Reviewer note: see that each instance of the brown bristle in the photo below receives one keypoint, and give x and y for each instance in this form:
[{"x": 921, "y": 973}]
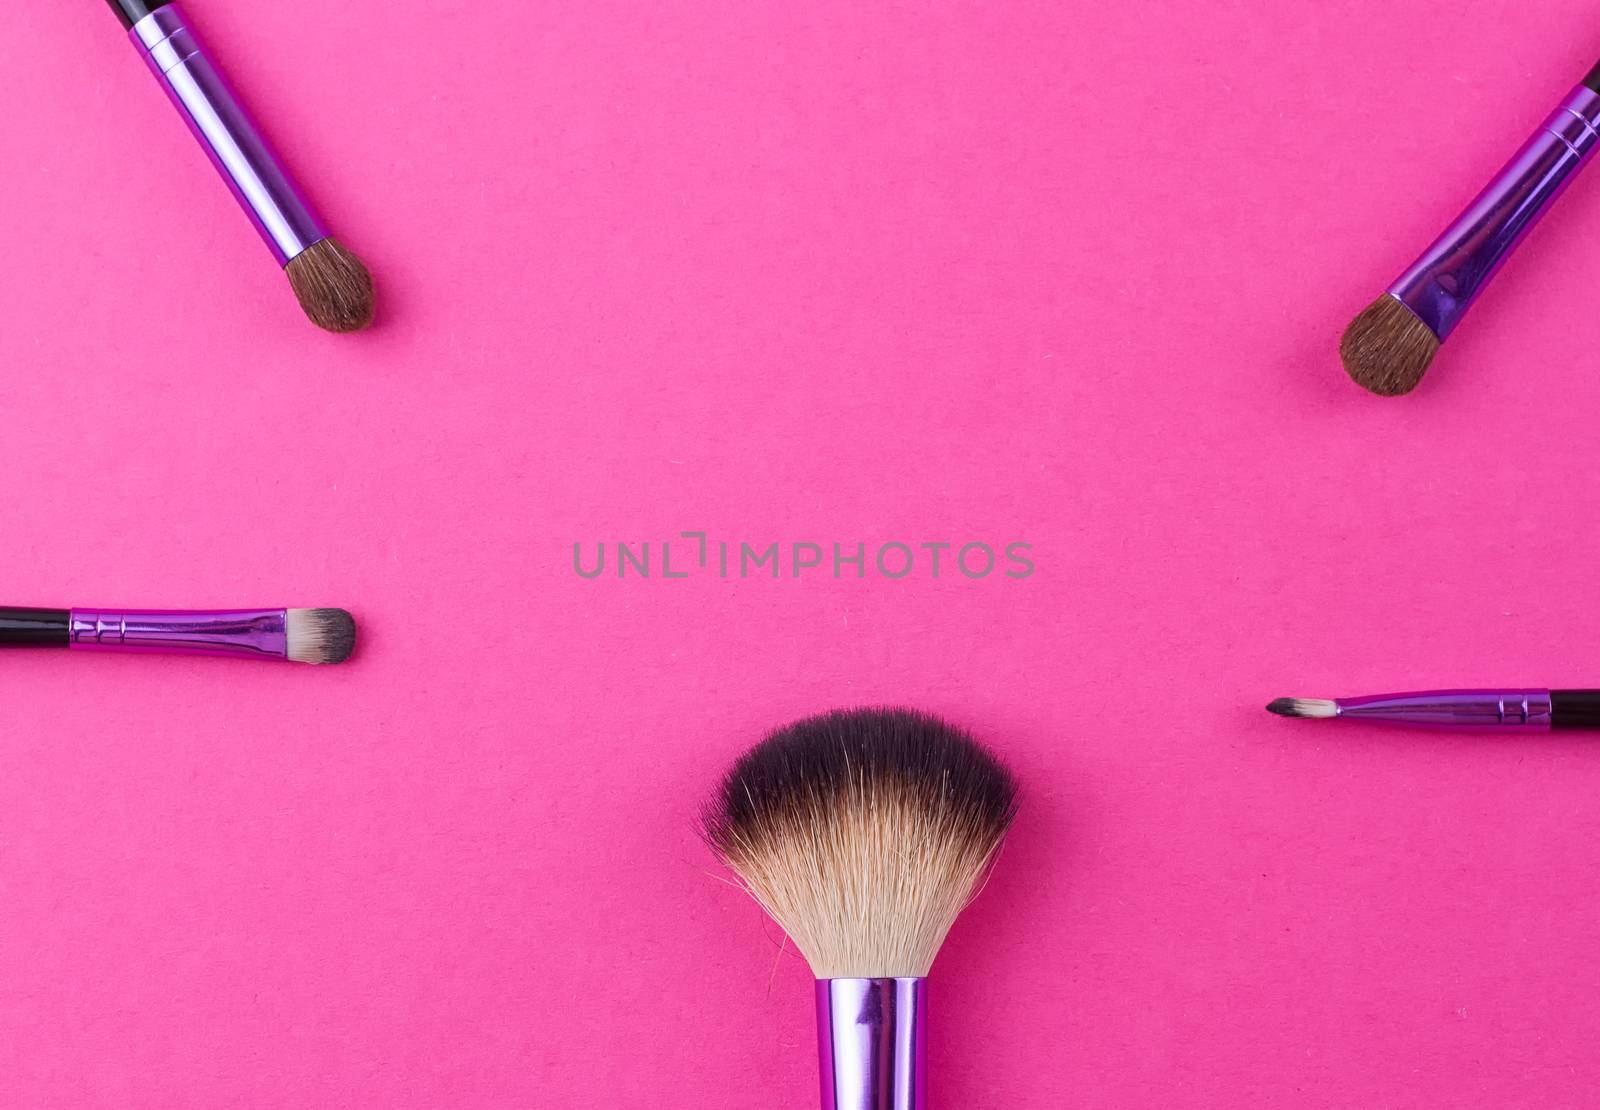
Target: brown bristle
[
  {"x": 333, "y": 286},
  {"x": 1387, "y": 349},
  {"x": 864, "y": 833}
]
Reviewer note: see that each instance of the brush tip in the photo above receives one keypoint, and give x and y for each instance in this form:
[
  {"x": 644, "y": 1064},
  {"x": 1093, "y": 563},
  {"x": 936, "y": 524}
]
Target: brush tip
[
  {"x": 830, "y": 756},
  {"x": 333, "y": 286},
  {"x": 864, "y": 833},
  {"x": 1303, "y": 707},
  {"x": 1387, "y": 349},
  {"x": 321, "y": 635}
]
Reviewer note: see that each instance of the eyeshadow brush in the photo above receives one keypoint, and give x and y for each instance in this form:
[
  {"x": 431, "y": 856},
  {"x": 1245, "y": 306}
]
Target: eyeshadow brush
[
  {"x": 332, "y": 285},
  {"x": 298, "y": 635},
  {"x": 1389, "y": 346}
]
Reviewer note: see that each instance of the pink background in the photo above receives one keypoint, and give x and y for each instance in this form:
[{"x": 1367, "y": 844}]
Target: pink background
[{"x": 1070, "y": 274}]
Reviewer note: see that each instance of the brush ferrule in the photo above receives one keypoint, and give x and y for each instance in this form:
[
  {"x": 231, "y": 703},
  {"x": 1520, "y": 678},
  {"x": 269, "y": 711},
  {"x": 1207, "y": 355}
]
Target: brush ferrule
[
  {"x": 1444, "y": 282},
  {"x": 229, "y": 135},
  {"x": 1470, "y": 709},
  {"x": 259, "y": 633},
  {"x": 872, "y": 1040}
]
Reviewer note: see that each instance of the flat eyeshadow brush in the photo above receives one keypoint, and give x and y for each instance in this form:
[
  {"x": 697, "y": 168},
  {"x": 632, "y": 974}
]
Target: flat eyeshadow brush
[
  {"x": 1536, "y": 710},
  {"x": 332, "y": 284},
  {"x": 1388, "y": 347},
  {"x": 298, "y": 635}
]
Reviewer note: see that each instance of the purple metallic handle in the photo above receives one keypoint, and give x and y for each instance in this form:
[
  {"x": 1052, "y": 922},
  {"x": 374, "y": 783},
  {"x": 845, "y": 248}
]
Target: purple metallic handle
[
  {"x": 872, "y": 1039},
  {"x": 1443, "y": 283},
  {"x": 260, "y": 633},
  {"x": 1475, "y": 709},
  {"x": 219, "y": 121}
]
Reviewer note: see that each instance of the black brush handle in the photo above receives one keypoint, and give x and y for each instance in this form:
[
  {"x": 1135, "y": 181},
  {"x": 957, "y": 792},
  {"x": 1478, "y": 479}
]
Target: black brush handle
[
  {"x": 1575, "y": 708},
  {"x": 132, "y": 11},
  {"x": 39, "y": 627},
  {"x": 1592, "y": 82}
]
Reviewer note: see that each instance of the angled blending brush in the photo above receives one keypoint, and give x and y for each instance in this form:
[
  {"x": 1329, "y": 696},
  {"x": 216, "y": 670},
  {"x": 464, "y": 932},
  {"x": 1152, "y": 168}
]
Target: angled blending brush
[
  {"x": 332, "y": 285},
  {"x": 1388, "y": 347},
  {"x": 298, "y": 635},
  {"x": 865, "y": 833},
  {"x": 1527, "y": 710}
]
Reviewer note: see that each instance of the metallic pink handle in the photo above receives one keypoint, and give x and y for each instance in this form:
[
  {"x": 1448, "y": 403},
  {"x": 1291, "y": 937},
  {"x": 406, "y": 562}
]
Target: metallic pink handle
[
  {"x": 872, "y": 1040},
  {"x": 236, "y": 146},
  {"x": 259, "y": 633},
  {"x": 1482, "y": 709},
  {"x": 1444, "y": 282}
]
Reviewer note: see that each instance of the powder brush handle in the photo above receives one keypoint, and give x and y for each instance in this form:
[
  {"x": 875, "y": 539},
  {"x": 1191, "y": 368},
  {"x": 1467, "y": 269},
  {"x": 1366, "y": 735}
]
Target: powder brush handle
[
  {"x": 1442, "y": 284},
  {"x": 872, "y": 1043}
]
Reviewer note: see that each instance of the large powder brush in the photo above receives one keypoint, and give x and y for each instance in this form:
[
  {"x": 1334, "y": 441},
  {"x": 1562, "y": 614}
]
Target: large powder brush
[{"x": 865, "y": 833}]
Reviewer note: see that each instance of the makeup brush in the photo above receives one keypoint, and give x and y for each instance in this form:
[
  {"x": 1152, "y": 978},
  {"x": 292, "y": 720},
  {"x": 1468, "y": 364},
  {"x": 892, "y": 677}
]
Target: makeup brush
[
  {"x": 864, "y": 833},
  {"x": 1538, "y": 710},
  {"x": 298, "y": 635},
  {"x": 1388, "y": 347},
  {"x": 332, "y": 285}
]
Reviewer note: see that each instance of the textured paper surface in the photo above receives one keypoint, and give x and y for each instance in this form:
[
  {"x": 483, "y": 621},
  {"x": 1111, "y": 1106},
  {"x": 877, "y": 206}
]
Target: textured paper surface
[{"x": 1066, "y": 274}]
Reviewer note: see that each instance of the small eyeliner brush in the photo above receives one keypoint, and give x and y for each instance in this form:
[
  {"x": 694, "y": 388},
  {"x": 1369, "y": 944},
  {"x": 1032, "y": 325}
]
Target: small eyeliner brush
[{"x": 1473, "y": 710}]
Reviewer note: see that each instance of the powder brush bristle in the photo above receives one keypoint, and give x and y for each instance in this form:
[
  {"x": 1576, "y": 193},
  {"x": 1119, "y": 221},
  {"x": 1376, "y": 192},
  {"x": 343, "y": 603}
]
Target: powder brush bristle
[
  {"x": 864, "y": 833},
  {"x": 1387, "y": 349},
  {"x": 333, "y": 286},
  {"x": 321, "y": 635}
]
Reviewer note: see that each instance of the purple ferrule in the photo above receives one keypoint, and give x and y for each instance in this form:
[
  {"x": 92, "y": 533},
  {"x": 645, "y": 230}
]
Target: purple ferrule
[
  {"x": 260, "y": 633},
  {"x": 872, "y": 1040},
  {"x": 219, "y": 121},
  {"x": 1443, "y": 283},
  {"x": 1475, "y": 709}
]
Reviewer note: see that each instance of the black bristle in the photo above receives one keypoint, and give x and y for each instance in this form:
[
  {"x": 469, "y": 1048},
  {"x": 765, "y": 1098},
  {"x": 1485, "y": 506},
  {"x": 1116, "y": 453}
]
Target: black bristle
[
  {"x": 812, "y": 760},
  {"x": 1283, "y": 707},
  {"x": 337, "y": 630}
]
